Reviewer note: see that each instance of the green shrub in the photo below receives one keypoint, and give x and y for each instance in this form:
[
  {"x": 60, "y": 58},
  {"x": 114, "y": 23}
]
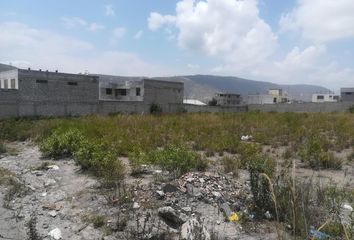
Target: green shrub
[
  {"x": 137, "y": 158},
  {"x": 231, "y": 164},
  {"x": 316, "y": 155},
  {"x": 88, "y": 153},
  {"x": 178, "y": 159},
  {"x": 351, "y": 109},
  {"x": 62, "y": 144},
  {"x": 98, "y": 221},
  {"x": 247, "y": 153},
  {"x": 258, "y": 165},
  {"x": 2, "y": 148},
  {"x": 174, "y": 158},
  {"x": 155, "y": 108}
]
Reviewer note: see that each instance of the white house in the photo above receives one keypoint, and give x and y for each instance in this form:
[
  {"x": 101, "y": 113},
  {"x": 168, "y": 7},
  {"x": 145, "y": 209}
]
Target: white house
[{"x": 326, "y": 97}]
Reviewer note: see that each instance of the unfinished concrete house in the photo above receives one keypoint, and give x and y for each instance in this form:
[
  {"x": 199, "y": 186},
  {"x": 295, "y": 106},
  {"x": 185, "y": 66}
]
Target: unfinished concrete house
[
  {"x": 141, "y": 93},
  {"x": 26, "y": 92},
  {"x": 42, "y": 93},
  {"x": 347, "y": 94},
  {"x": 228, "y": 99}
]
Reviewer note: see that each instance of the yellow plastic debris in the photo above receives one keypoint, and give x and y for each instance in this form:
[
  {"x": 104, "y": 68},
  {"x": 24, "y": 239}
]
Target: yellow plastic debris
[{"x": 233, "y": 217}]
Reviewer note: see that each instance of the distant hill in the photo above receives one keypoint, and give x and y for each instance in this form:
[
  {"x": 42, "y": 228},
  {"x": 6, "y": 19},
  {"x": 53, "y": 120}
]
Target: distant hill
[{"x": 203, "y": 87}]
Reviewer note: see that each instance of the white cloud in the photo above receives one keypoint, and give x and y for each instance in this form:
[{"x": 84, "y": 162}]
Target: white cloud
[
  {"x": 72, "y": 22},
  {"x": 228, "y": 29},
  {"x": 193, "y": 66},
  {"x": 321, "y": 20},
  {"x": 25, "y": 46},
  {"x": 232, "y": 32},
  {"x": 94, "y": 27},
  {"x": 311, "y": 65},
  {"x": 109, "y": 11},
  {"x": 76, "y": 22},
  {"x": 119, "y": 32},
  {"x": 138, "y": 34},
  {"x": 156, "y": 20}
]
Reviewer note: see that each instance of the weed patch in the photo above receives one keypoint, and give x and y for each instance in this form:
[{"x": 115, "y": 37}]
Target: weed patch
[
  {"x": 2, "y": 148},
  {"x": 315, "y": 153},
  {"x": 177, "y": 159}
]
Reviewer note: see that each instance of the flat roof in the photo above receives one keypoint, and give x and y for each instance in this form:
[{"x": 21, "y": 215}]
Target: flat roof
[
  {"x": 56, "y": 72},
  {"x": 347, "y": 89}
]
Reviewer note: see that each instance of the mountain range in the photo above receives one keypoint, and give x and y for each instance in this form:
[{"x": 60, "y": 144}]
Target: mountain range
[{"x": 204, "y": 87}]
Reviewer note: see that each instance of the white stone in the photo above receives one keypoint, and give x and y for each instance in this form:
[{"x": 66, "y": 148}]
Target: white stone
[
  {"x": 136, "y": 205},
  {"x": 50, "y": 182},
  {"x": 348, "y": 207},
  {"x": 216, "y": 194},
  {"x": 53, "y": 167},
  {"x": 55, "y": 234},
  {"x": 188, "y": 230},
  {"x": 53, "y": 213}
]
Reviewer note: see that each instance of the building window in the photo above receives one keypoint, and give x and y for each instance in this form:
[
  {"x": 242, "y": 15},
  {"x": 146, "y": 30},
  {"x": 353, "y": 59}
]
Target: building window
[
  {"x": 274, "y": 100},
  {"x": 41, "y": 81},
  {"x": 336, "y": 97},
  {"x": 320, "y": 97},
  {"x": 108, "y": 91},
  {"x": 121, "y": 92},
  {"x": 138, "y": 91},
  {"x": 72, "y": 83}
]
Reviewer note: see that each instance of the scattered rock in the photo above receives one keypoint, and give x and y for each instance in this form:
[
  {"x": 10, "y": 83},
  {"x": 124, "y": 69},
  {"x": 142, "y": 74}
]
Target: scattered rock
[
  {"x": 136, "y": 205},
  {"x": 268, "y": 215},
  {"x": 348, "y": 207},
  {"x": 53, "y": 213},
  {"x": 161, "y": 194},
  {"x": 246, "y": 138},
  {"x": 53, "y": 167},
  {"x": 55, "y": 234},
  {"x": 193, "y": 229},
  {"x": 49, "y": 182},
  {"x": 168, "y": 188},
  {"x": 171, "y": 216},
  {"x": 216, "y": 194},
  {"x": 187, "y": 209}
]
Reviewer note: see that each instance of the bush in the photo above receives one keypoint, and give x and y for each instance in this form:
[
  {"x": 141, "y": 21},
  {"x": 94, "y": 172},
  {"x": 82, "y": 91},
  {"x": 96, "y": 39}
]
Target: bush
[
  {"x": 247, "y": 153},
  {"x": 351, "y": 109},
  {"x": 177, "y": 159},
  {"x": 213, "y": 102},
  {"x": 62, "y": 144},
  {"x": 174, "y": 158},
  {"x": 155, "y": 108},
  {"x": 89, "y": 154},
  {"x": 261, "y": 164},
  {"x": 231, "y": 164},
  {"x": 316, "y": 155},
  {"x": 2, "y": 148},
  {"x": 98, "y": 221}
]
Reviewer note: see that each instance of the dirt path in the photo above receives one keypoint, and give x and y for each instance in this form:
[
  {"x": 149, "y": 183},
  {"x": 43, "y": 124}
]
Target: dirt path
[{"x": 55, "y": 197}]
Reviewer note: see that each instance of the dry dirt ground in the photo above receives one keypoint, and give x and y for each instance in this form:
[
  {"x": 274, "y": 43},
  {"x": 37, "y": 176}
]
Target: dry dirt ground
[{"x": 67, "y": 199}]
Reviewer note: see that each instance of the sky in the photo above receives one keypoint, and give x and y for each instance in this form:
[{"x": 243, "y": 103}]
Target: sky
[{"x": 287, "y": 42}]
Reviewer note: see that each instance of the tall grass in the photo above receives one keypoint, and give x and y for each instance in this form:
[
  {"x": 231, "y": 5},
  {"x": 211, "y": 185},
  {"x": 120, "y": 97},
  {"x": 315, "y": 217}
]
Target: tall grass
[{"x": 215, "y": 132}]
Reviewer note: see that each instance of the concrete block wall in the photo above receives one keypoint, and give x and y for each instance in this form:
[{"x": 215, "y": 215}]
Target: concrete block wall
[
  {"x": 213, "y": 109},
  {"x": 302, "y": 107},
  {"x": 51, "y": 87},
  {"x": 163, "y": 93}
]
